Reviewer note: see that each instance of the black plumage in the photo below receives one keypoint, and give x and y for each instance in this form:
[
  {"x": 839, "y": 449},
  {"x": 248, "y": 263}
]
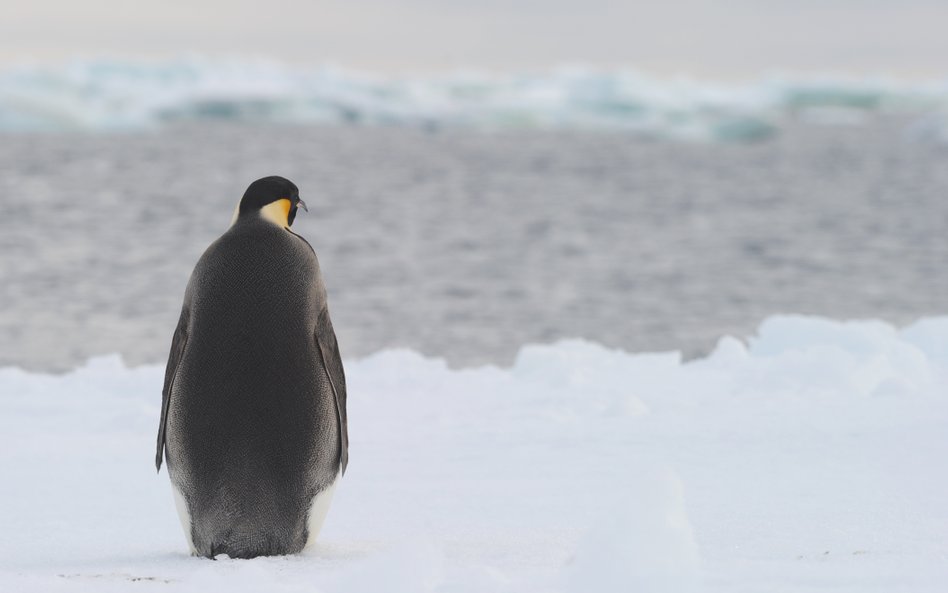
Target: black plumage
[{"x": 253, "y": 422}]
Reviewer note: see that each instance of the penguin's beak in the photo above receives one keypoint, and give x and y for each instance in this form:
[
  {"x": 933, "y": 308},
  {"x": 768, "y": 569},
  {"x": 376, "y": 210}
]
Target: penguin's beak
[{"x": 302, "y": 205}]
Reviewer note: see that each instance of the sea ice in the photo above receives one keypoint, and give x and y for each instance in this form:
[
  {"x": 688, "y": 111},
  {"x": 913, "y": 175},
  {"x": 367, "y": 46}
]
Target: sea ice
[
  {"x": 106, "y": 94},
  {"x": 810, "y": 457}
]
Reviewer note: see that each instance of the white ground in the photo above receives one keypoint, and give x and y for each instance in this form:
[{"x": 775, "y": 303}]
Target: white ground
[{"x": 812, "y": 459}]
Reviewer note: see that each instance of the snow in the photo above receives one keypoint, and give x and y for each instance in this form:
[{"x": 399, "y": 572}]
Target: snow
[
  {"x": 810, "y": 457},
  {"x": 109, "y": 94}
]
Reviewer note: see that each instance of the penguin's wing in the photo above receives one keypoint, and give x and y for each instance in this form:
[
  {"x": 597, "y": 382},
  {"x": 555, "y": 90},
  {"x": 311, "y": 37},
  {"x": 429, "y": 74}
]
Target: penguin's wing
[
  {"x": 332, "y": 362},
  {"x": 174, "y": 358}
]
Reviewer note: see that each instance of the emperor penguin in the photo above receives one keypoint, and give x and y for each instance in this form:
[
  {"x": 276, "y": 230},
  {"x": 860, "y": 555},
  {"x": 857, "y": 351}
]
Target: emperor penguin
[{"x": 253, "y": 408}]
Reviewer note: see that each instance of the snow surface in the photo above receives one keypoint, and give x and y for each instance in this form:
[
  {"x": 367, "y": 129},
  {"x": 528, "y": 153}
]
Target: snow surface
[
  {"x": 810, "y": 458},
  {"x": 105, "y": 94}
]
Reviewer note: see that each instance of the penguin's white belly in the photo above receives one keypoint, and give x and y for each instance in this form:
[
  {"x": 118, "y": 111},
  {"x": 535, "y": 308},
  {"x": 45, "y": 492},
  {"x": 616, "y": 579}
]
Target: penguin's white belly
[
  {"x": 317, "y": 512},
  {"x": 184, "y": 516}
]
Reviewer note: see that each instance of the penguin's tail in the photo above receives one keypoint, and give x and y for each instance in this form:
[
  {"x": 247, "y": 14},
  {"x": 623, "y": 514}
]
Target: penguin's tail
[
  {"x": 249, "y": 537},
  {"x": 249, "y": 545}
]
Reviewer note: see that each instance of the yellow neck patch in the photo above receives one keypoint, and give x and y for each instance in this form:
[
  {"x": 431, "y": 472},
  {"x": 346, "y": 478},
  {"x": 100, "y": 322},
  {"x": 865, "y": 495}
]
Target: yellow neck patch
[{"x": 277, "y": 212}]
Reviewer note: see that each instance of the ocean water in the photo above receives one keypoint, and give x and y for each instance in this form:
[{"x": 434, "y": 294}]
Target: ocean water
[{"x": 467, "y": 244}]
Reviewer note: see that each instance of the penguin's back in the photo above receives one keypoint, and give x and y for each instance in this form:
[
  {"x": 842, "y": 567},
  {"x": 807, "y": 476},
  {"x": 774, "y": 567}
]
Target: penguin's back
[{"x": 252, "y": 435}]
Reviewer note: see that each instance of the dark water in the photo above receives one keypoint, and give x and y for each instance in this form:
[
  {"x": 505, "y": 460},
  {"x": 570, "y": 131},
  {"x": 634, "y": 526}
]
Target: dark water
[{"x": 466, "y": 245}]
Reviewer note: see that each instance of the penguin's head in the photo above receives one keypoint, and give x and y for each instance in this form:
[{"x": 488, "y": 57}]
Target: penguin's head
[{"x": 274, "y": 198}]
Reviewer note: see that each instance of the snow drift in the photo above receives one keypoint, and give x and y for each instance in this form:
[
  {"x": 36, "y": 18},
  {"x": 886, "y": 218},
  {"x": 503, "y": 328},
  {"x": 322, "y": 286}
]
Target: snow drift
[{"x": 810, "y": 457}]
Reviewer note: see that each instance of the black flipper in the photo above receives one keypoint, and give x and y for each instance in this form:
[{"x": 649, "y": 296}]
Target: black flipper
[
  {"x": 178, "y": 342},
  {"x": 332, "y": 362}
]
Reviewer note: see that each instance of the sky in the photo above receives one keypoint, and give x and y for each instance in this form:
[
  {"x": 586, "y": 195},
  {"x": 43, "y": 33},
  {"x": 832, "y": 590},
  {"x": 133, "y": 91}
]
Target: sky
[{"x": 724, "y": 39}]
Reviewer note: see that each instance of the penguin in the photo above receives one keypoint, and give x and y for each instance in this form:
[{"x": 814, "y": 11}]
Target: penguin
[{"x": 253, "y": 409}]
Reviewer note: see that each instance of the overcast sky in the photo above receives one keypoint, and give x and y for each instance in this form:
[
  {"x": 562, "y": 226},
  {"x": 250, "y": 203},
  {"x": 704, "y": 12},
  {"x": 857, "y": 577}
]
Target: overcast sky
[{"x": 701, "y": 38}]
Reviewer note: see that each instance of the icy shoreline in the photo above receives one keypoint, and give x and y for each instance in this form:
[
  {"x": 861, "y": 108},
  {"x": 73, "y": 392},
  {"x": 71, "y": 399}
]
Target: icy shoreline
[{"x": 809, "y": 458}]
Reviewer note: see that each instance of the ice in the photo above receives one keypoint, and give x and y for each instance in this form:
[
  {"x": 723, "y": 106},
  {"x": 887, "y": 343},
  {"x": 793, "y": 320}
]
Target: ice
[
  {"x": 104, "y": 94},
  {"x": 806, "y": 457}
]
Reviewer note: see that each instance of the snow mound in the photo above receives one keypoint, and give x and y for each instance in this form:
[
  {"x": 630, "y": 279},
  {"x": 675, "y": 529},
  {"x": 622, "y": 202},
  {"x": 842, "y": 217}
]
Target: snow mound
[
  {"x": 809, "y": 457},
  {"x": 105, "y": 94}
]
